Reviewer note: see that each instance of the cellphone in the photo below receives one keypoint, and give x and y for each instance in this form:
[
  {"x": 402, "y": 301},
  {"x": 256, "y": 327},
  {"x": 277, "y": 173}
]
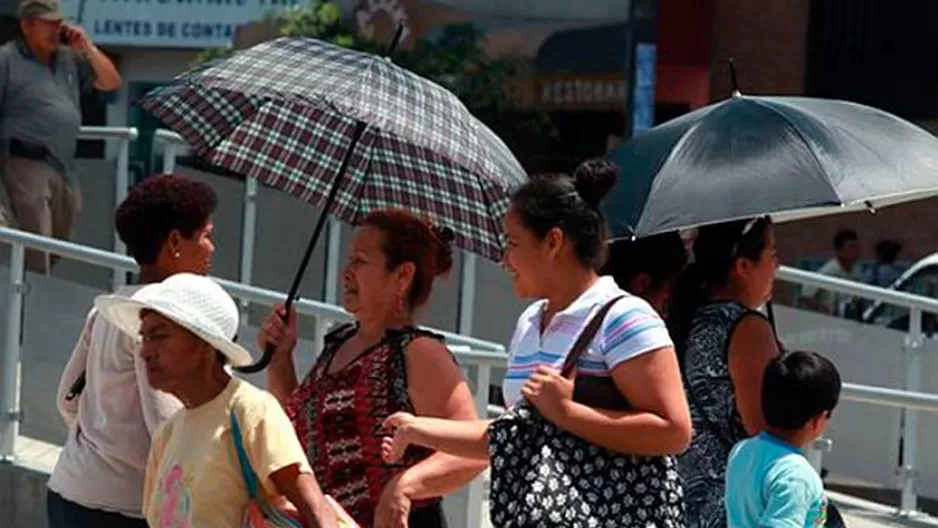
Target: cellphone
[{"x": 64, "y": 35}]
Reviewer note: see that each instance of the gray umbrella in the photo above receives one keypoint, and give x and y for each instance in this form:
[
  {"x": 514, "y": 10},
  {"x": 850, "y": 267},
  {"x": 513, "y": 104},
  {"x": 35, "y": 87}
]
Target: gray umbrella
[{"x": 788, "y": 157}]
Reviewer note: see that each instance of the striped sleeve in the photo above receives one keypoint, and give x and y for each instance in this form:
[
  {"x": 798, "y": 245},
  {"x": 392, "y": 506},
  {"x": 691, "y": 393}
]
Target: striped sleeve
[{"x": 631, "y": 329}]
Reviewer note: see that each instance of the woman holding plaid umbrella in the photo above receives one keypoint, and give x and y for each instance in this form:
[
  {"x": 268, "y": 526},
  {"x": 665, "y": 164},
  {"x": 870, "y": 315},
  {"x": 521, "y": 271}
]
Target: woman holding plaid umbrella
[{"x": 372, "y": 368}]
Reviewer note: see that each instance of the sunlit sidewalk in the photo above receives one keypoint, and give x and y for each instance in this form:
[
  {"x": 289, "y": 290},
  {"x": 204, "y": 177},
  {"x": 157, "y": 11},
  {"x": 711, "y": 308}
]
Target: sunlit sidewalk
[{"x": 859, "y": 513}]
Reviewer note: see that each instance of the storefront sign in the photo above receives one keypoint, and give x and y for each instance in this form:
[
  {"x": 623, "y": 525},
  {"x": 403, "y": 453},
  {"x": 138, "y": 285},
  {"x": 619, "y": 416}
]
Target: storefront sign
[
  {"x": 168, "y": 23},
  {"x": 582, "y": 93}
]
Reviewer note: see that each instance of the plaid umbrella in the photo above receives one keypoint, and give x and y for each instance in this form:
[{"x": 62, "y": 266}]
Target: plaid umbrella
[
  {"x": 286, "y": 112},
  {"x": 348, "y": 132}
]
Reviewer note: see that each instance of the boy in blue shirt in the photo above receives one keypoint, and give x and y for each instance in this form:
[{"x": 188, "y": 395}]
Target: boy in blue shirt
[{"x": 769, "y": 482}]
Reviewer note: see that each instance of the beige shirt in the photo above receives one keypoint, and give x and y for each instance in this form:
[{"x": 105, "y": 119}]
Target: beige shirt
[
  {"x": 193, "y": 476},
  {"x": 110, "y": 425}
]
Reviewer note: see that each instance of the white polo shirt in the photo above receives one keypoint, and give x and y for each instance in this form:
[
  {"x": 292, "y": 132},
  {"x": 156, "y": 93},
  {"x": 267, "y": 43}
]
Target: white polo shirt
[{"x": 630, "y": 329}]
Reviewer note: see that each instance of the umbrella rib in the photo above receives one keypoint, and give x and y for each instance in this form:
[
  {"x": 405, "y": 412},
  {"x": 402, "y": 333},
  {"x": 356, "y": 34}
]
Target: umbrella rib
[{"x": 806, "y": 143}]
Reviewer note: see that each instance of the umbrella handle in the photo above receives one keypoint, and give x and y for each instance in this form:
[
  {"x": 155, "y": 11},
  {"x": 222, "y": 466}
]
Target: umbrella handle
[
  {"x": 396, "y": 41},
  {"x": 733, "y": 79},
  {"x": 307, "y": 255}
]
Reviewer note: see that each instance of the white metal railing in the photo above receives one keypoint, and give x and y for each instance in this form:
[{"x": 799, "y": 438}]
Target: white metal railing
[
  {"x": 912, "y": 367},
  {"x": 123, "y": 136},
  {"x": 483, "y": 355}
]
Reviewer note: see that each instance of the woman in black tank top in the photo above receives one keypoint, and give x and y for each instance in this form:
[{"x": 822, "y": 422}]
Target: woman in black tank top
[{"x": 723, "y": 344}]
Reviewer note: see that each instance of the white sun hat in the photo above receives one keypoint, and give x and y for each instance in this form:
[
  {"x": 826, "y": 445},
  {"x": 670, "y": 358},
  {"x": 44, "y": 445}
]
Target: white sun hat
[{"x": 196, "y": 303}]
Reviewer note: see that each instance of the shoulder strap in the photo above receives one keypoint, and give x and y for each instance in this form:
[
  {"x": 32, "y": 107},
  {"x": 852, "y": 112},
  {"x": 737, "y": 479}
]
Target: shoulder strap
[
  {"x": 79, "y": 384},
  {"x": 250, "y": 479},
  {"x": 585, "y": 337}
]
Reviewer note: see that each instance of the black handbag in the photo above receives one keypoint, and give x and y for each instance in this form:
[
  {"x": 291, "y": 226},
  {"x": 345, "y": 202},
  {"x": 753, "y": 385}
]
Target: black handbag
[{"x": 544, "y": 477}]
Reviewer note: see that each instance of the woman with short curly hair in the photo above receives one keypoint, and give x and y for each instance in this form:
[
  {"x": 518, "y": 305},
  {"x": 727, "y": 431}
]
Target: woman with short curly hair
[{"x": 166, "y": 223}]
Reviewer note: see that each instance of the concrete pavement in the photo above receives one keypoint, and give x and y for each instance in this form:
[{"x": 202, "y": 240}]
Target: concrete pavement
[
  {"x": 859, "y": 513},
  {"x": 35, "y": 459}
]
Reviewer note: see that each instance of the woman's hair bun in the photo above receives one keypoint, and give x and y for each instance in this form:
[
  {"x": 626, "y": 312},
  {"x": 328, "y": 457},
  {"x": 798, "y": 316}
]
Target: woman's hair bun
[
  {"x": 594, "y": 178},
  {"x": 444, "y": 254},
  {"x": 444, "y": 233}
]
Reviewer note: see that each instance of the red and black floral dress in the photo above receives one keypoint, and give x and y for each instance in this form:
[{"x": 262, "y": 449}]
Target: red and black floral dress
[{"x": 338, "y": 417}]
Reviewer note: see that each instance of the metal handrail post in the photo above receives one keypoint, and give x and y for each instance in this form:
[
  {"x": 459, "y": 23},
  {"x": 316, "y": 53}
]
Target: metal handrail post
[
  {"x": 815, "y": 453},
  {"x": 912, "y": 359},
  {"x": 121, "y": 186},
  {"x": 331, "y": 272},
  {"x": 124, "y": 135},
  {"x": 169, "y": 158},
  {"x": 467, "y": 290},
  {"x": 10, "y": 413},
  {"x": 171, "y": 143},
  {"x": 467, "y": 293},
  {"x": 248, "y": 234},
  {"x": 333, "y": 261},
  {"x": 477, "y": 486}
]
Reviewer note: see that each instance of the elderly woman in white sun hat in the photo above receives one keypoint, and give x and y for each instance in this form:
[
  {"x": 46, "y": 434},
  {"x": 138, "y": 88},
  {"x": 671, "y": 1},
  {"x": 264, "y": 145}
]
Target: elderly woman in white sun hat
[{"x": 187, "y": 325}]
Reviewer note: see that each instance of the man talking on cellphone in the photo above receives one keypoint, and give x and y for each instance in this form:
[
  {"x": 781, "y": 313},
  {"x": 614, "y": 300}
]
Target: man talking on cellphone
[{"x": 42, "y": 78}]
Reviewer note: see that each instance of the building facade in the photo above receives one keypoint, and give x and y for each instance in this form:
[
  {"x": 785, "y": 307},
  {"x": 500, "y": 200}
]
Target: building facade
[
  {"x": 606, "y": 68},
  {"x": 866, "y": 51}
]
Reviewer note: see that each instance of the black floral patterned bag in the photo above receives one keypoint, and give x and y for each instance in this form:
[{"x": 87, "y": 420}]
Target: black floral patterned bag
[{"x": 544, "y": 477}]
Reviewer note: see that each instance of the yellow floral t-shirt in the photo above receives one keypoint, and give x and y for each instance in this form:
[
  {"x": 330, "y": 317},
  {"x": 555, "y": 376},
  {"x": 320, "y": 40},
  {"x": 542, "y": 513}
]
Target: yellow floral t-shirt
[{"x": 193, "y": 478}]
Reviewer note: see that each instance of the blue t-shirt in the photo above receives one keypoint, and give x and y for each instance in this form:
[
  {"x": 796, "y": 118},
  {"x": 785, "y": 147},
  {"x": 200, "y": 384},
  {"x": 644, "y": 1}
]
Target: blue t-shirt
[{"x": 770, "y": 484}]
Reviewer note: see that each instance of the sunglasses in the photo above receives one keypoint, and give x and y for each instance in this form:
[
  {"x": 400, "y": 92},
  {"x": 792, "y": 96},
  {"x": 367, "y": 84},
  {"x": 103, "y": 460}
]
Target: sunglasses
[{"x": 745, "y": 231}]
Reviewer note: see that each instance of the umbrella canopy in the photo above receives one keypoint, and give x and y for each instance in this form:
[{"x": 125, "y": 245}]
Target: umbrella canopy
[
  {"x": 287, "y": 112},
  {"x": 788, "y": 157}
]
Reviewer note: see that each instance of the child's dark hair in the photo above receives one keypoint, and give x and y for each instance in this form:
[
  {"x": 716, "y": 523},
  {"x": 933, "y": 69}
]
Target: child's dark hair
[
  {"x": 716, "y": 250},
  {"x": 798, "y": 386},
  {"x": 661, "y": 257}
]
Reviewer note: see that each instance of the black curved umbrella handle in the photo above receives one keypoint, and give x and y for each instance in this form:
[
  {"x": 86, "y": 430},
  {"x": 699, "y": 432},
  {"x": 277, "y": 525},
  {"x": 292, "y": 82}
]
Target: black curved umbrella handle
[{"x": 269, "y": 350}]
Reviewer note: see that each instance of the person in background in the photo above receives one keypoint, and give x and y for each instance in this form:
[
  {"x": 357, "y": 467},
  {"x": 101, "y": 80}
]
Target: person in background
[
  {"x": 197, "y": 471},
  {"x": 42, "y": 78},
  {"x": 647, "y": 267},
  {"x": 379, "y": 365},
  {"x": 769, "y": 481},
  {"x": 166, "y": 224},
  {"x": 885, "y": 271},
  {"x": 723, "y": 343},
  {"x": 842, "y": 266}
]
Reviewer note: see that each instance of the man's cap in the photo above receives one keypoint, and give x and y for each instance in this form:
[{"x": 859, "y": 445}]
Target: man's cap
[{"x": 50, "y": 10}]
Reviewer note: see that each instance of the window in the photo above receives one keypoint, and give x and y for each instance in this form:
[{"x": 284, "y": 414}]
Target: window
[{"x": 875, "y": 52}]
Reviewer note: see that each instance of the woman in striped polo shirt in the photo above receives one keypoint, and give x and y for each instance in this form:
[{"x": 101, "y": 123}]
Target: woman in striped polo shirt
[{"x": 556, "y": 245}]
